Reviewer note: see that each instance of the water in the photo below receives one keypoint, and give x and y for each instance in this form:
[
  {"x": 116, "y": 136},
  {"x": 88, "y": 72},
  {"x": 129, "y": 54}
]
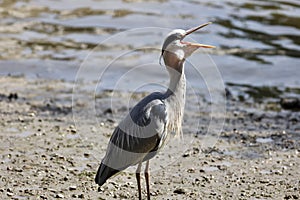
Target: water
[{"x": 258, "y": 41}]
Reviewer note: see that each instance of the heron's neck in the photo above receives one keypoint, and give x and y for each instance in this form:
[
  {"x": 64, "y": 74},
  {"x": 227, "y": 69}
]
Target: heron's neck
[
  {"x": 175, "y": 97},
  {"x": 177, "y": 84},
  {"x": 175, "y": 67}
]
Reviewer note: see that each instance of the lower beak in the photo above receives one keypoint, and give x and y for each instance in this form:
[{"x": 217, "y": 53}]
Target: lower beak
[{"x": 197, "y": 45}]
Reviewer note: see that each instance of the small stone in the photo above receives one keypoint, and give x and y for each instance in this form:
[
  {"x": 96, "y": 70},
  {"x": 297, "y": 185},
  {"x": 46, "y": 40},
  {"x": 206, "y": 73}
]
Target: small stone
[
  {"x": 10, "y": 194},
  {"x": 108, "y": 111},
  {"x": 18, "y": 170},
  {"x": 81, "y": 196},
  {"x": 186, "y": 155},
  {"x": 72, "y": 187},
  {"x": 179, "y": 191},
  {"x": 73, "y": 131},
  {"x": 191, "y": 170},
  {"x": 213, "y": 193},
  {"x": 277, "y": 172},
  {"x": 264, "y": 181},
  {"x": 60, "y": 196},
  {"x": 21, "y": 119},
  {"x": 12, "y": 96},
  {"x": 31, "y": 114},
  {"x": 100, "y": 189},
  {"x": 51, "y": 190},
  {"x": 221, "y": 167},
  {"x": 290, "y": 103}
]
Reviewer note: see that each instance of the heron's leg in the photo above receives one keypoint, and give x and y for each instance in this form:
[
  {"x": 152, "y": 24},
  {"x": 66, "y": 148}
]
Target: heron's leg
[
  {"x": 138, "y": 179},
  {"x": 147, "y": 175}
]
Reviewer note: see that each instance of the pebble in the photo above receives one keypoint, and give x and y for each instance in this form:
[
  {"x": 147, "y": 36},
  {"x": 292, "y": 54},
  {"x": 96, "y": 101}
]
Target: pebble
[
  {"x": 31, "y": 114},
  {"x": 191, "y": 170},
  {"x": 264, "y": 181},
  {"x": 108, "y": 111},
  {"x": 72, "y": 187},
  {"x": 12, "y": 96},
  {"x": 18, "y": 170},
  {"x": 60, "y": 196},
  {"x": 52, "y": 190},
  {"x": 290, "y": 103},
  {"x": 186, "y": 155},
  {"x": 277, "y": 172},
  {"x": 100, "y": 189},
  {"x": 10, "y": 194},
  {"x": 180, "y": 191},
  {"x": 73, "y": 131}
]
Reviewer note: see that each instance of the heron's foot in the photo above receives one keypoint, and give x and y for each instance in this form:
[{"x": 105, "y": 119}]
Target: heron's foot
[{"x": 100, "y": 189}]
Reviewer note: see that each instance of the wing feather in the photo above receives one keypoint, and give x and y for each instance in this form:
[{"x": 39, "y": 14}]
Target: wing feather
[{"x": 137, "y": 138}]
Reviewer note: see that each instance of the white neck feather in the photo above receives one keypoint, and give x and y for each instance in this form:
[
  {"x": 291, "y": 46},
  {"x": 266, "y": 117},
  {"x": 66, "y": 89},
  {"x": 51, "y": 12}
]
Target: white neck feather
[{"x": 176, "y": 100}]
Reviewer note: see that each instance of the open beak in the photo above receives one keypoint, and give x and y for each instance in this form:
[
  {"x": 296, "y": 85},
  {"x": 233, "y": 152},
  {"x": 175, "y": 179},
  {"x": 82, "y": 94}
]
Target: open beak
[{"x": 196, "y": 44}]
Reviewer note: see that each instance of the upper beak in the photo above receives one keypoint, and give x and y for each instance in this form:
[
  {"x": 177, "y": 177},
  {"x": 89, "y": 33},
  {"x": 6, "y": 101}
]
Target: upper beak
[{"x": 193, "y": 30}]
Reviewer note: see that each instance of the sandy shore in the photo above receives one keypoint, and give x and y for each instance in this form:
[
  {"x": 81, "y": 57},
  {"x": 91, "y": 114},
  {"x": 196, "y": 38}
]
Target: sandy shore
[{"x": 46, "y": 155}]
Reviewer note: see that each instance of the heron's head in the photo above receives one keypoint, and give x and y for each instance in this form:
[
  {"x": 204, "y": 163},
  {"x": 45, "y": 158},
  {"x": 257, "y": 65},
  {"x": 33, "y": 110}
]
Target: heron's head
[{"x": 175, "y": 50}]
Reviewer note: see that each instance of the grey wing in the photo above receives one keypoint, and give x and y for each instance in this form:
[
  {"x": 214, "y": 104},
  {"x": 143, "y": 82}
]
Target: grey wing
[{"x": 140, "y": 133}]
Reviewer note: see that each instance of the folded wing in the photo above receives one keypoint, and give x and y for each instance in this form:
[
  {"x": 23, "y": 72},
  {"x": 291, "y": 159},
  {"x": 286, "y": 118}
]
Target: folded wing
[{"x": 137, "y": 138}]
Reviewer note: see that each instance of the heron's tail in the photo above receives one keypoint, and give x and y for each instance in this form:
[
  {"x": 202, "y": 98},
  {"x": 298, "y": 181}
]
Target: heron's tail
[{"x": 104, "y": 172}]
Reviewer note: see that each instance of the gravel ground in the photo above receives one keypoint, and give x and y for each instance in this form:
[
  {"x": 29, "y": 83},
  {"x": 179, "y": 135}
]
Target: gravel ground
[{"x": 49, "y": 151}]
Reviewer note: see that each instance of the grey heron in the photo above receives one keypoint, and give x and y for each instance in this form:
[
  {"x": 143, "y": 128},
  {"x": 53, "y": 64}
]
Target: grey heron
[{"x": 147, "y": 127}]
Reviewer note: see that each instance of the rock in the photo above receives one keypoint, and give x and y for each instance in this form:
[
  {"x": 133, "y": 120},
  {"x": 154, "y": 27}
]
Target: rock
[
  {"x": 277, "y": 172},
  {"x": 290, "y": 103},
  {"x": 10, "y": 194},
  {"x": 60, "y": 196},
  {"x": 187, "y": 154},
  {"x": 191, "y": 170},
  {"x": 72, "y": 187},
  {"x": 51, "y": 190},
  {"x": 12, "y": 96},
  {"x": 108, "y": 111},
  {"x": 180, "y": 191},
  {"x": 100, "y": 189},
  {"x": 31, "y": 114},
  {"x": 221, "y": 167},
  {"x": 73, "y": 131},
  {"x": 264, "y": 181},
  {"x": 18, "y": 170}
]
